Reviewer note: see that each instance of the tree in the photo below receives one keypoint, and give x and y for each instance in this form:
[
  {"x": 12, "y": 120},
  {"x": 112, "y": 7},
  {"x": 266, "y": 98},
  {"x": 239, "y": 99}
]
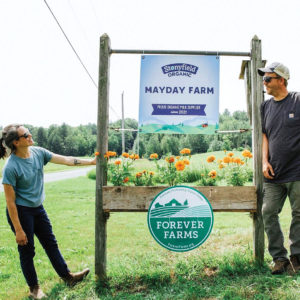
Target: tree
[
  {"x": 170, "y": 144},
  {"x": 153, "y": 145},
  {"x": 41, "y": 138}
]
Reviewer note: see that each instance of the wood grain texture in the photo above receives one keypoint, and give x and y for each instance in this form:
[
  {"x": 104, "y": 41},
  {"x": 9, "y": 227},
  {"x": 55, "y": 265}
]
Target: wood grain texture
[{"x": 138, "y": 198}]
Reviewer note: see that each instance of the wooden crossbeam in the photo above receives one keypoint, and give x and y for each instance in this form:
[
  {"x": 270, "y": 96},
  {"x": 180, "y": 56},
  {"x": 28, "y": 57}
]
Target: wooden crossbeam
[{"x": 138, "y": 198}]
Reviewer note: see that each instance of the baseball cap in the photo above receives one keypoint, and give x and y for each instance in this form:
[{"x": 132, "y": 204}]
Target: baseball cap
[{"x": 277, "y": 68}]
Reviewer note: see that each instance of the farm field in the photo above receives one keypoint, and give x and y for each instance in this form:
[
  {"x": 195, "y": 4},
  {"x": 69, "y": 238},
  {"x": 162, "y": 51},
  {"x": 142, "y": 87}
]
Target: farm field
[{"x": 138, "y": 268}]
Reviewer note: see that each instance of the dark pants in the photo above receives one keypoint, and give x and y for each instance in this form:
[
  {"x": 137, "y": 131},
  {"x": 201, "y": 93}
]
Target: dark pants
[
  {"x": 275, "y": 195},
  {"x": 34, "y": 221}
]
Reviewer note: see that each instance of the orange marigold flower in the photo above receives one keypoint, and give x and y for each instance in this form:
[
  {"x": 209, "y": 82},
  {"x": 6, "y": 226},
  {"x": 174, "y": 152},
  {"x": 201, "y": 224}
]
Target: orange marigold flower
[
  {"x": 125, "y": 154},
  {"x": 237, "y": 160},
  {"x": 230, "y": 154},
  {"x": 126, "y": 179},
  {"x": 97, "y": 153},
  {"x": 106, "y": 156},
  {"x": 221, "y": 166},
  {"x": 154, "y": 156},
  {"x": 144, "y": 172},
  {"x": 131, "y": 156},
  {"x": 179, "y": 165},
  {"x": 117, "y": 162},
  {"x": 185, "y": 151},
  {"x": 139, "y": 174},
  {"x": 177, "y": 157},
  {"x": 186, "y": 161},
  {"x": 170, "y": 159},
  {"x": 226, "y": 160},
  {"x": 212, "y": 174},
  {"x": 225, "y": 151},
  {"x": 111, "y": 154},
  {"x": 242, "y": 162},
  {"x": 151, "y": 173},
  {"x": 211, "y": 158},
  {"x": 136, "y": 156},
  {"x": 247, "y": 153}
]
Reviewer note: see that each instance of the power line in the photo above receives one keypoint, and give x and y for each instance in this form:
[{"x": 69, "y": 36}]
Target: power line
[{"x": 77, "y": 55}]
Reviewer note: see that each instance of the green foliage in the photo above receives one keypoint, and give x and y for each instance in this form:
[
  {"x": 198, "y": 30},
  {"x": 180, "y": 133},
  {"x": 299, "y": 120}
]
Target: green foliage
[
  {"x": 167, "y": 172},
  {"x": 169, "y": 144},
  {"x": 215, "y": 145},
  {"x": 144, "y": 178},
  {"x": 92, "y": 174},
  {"x": 118, "y": 172},
  {"x": 236, "y": 175},
  {"x": 206, "y": 179},
  {"x": 191, "y": 175},
  {"x": 81, "y": 140},
  {"x": 154, "y": 145}
]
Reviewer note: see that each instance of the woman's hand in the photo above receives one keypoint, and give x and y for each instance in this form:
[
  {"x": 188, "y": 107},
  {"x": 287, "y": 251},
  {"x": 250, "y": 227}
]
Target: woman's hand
[{"x": 21, "y": 238}]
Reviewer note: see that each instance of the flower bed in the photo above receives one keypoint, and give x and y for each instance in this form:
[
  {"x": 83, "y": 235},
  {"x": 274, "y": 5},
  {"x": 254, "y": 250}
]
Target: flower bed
[{"x": 173, "y": 170}]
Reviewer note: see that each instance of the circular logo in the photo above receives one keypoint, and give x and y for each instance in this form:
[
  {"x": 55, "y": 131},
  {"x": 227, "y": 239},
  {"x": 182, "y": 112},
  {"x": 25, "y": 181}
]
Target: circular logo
[{"x": 180, "y": 218}]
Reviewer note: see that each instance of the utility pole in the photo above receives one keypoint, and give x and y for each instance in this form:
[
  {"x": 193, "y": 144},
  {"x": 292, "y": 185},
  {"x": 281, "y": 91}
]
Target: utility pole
[{"x": 123, "y": 131}]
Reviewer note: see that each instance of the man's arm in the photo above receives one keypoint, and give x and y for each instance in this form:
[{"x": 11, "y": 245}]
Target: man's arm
[
  {"x": 71, "y": 161},
  {"x": 267, "y": 168},
  {"x": 10, "y": 196}
]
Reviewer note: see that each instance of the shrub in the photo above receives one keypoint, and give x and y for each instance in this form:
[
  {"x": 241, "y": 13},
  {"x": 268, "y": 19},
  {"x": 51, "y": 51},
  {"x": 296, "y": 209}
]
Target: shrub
[
  {"x": 236, "y": 176},
  {"x": 191, "y": 175},
  {"x": 92, "y": 174}
]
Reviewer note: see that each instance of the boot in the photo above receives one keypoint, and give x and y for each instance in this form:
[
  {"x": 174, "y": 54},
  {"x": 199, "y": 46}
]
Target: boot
[
  {"x": 73, "y": 278},
  {"x": 294, "y": 266},
  {"x": 35, "y": 292},
  {"x": 280, "y": 266}
]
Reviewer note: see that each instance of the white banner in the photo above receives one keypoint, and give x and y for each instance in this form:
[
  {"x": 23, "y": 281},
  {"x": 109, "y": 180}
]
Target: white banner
[{"x": 179, "y": 94}]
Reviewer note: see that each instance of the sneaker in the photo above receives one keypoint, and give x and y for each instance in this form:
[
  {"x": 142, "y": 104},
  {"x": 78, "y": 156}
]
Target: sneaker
[
  {"x": 280, "y": 266},
  {"x": 35, "y": 292},
  {"x": 294, "y": 266},
  {"x": 73, "y": 278}
]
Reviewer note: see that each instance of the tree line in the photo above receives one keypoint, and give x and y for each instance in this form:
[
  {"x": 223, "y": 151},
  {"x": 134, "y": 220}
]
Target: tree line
[{"x": 82, "y": 140}]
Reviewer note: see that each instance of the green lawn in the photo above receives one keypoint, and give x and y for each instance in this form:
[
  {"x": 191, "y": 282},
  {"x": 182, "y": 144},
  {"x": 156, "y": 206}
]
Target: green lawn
[{"x": 138, "y": 268}]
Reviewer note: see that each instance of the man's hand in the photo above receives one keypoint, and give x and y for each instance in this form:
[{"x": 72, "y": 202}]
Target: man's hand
[
  {"x": 21, "y": 238},
  {"x": 268, "y": 170}
]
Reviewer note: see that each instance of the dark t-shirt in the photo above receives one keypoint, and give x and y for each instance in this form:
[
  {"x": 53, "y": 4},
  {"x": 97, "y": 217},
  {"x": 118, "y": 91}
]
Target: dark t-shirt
[{"x": 281, "y": 124}]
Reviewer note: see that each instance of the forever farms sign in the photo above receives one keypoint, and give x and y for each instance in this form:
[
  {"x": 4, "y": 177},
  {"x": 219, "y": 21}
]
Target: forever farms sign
[
  {"x": 180, "y": 218},
  {"x": 179, "y": 94}
]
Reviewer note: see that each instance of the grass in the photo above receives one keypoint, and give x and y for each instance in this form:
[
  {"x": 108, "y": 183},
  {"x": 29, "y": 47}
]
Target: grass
[{"x": 137, "y": 267}]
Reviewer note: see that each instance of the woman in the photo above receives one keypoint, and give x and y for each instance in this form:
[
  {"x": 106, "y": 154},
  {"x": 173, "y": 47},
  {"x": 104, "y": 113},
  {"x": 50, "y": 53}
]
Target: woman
[{"x": 24, "y": 193}]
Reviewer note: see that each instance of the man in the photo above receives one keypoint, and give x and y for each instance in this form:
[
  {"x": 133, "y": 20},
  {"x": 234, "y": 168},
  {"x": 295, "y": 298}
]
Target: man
[
  {"x": 24, "y": 193},
  {"x": 281, "y": 165}
]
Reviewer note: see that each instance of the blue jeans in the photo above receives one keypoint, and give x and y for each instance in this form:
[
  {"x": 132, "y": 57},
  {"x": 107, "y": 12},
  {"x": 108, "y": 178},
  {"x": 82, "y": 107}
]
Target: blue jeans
[{"x": 34, "y": 221}]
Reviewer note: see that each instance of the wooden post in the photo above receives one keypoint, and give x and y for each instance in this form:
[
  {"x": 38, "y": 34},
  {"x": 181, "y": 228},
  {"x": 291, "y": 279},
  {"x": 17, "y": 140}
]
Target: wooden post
[
  {"x": 248, "y": 90},
  {"x": 257, "y": 99},
  {"x": 102, "y": 145}
]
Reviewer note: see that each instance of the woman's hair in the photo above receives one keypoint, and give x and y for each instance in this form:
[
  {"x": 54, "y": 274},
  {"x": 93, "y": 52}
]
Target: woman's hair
[{"x": 9, "y": 134}]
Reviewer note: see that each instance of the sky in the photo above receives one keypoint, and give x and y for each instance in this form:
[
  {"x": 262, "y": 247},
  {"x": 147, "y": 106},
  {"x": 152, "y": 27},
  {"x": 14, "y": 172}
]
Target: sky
[{"x": 43, "y": 83}]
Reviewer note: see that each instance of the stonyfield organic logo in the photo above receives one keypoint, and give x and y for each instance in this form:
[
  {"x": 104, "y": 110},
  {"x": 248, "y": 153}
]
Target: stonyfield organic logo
[
  {"x": 180, "y": 218},
  {"x": 179, "y": 69}
]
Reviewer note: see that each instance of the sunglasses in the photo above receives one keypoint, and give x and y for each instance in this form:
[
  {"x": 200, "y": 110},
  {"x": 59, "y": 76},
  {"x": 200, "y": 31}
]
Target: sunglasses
[
  {"x": 25, "y": 135},
  {"x": 269, "y": 78}
]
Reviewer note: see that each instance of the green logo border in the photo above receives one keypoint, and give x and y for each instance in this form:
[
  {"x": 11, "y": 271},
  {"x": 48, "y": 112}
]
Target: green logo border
[{"x": 208, "y": 233}]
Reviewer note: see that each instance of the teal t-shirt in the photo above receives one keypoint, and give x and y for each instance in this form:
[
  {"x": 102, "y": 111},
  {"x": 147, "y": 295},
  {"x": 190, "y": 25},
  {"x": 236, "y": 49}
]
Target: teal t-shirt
[{"x": 27, "y": 176}]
